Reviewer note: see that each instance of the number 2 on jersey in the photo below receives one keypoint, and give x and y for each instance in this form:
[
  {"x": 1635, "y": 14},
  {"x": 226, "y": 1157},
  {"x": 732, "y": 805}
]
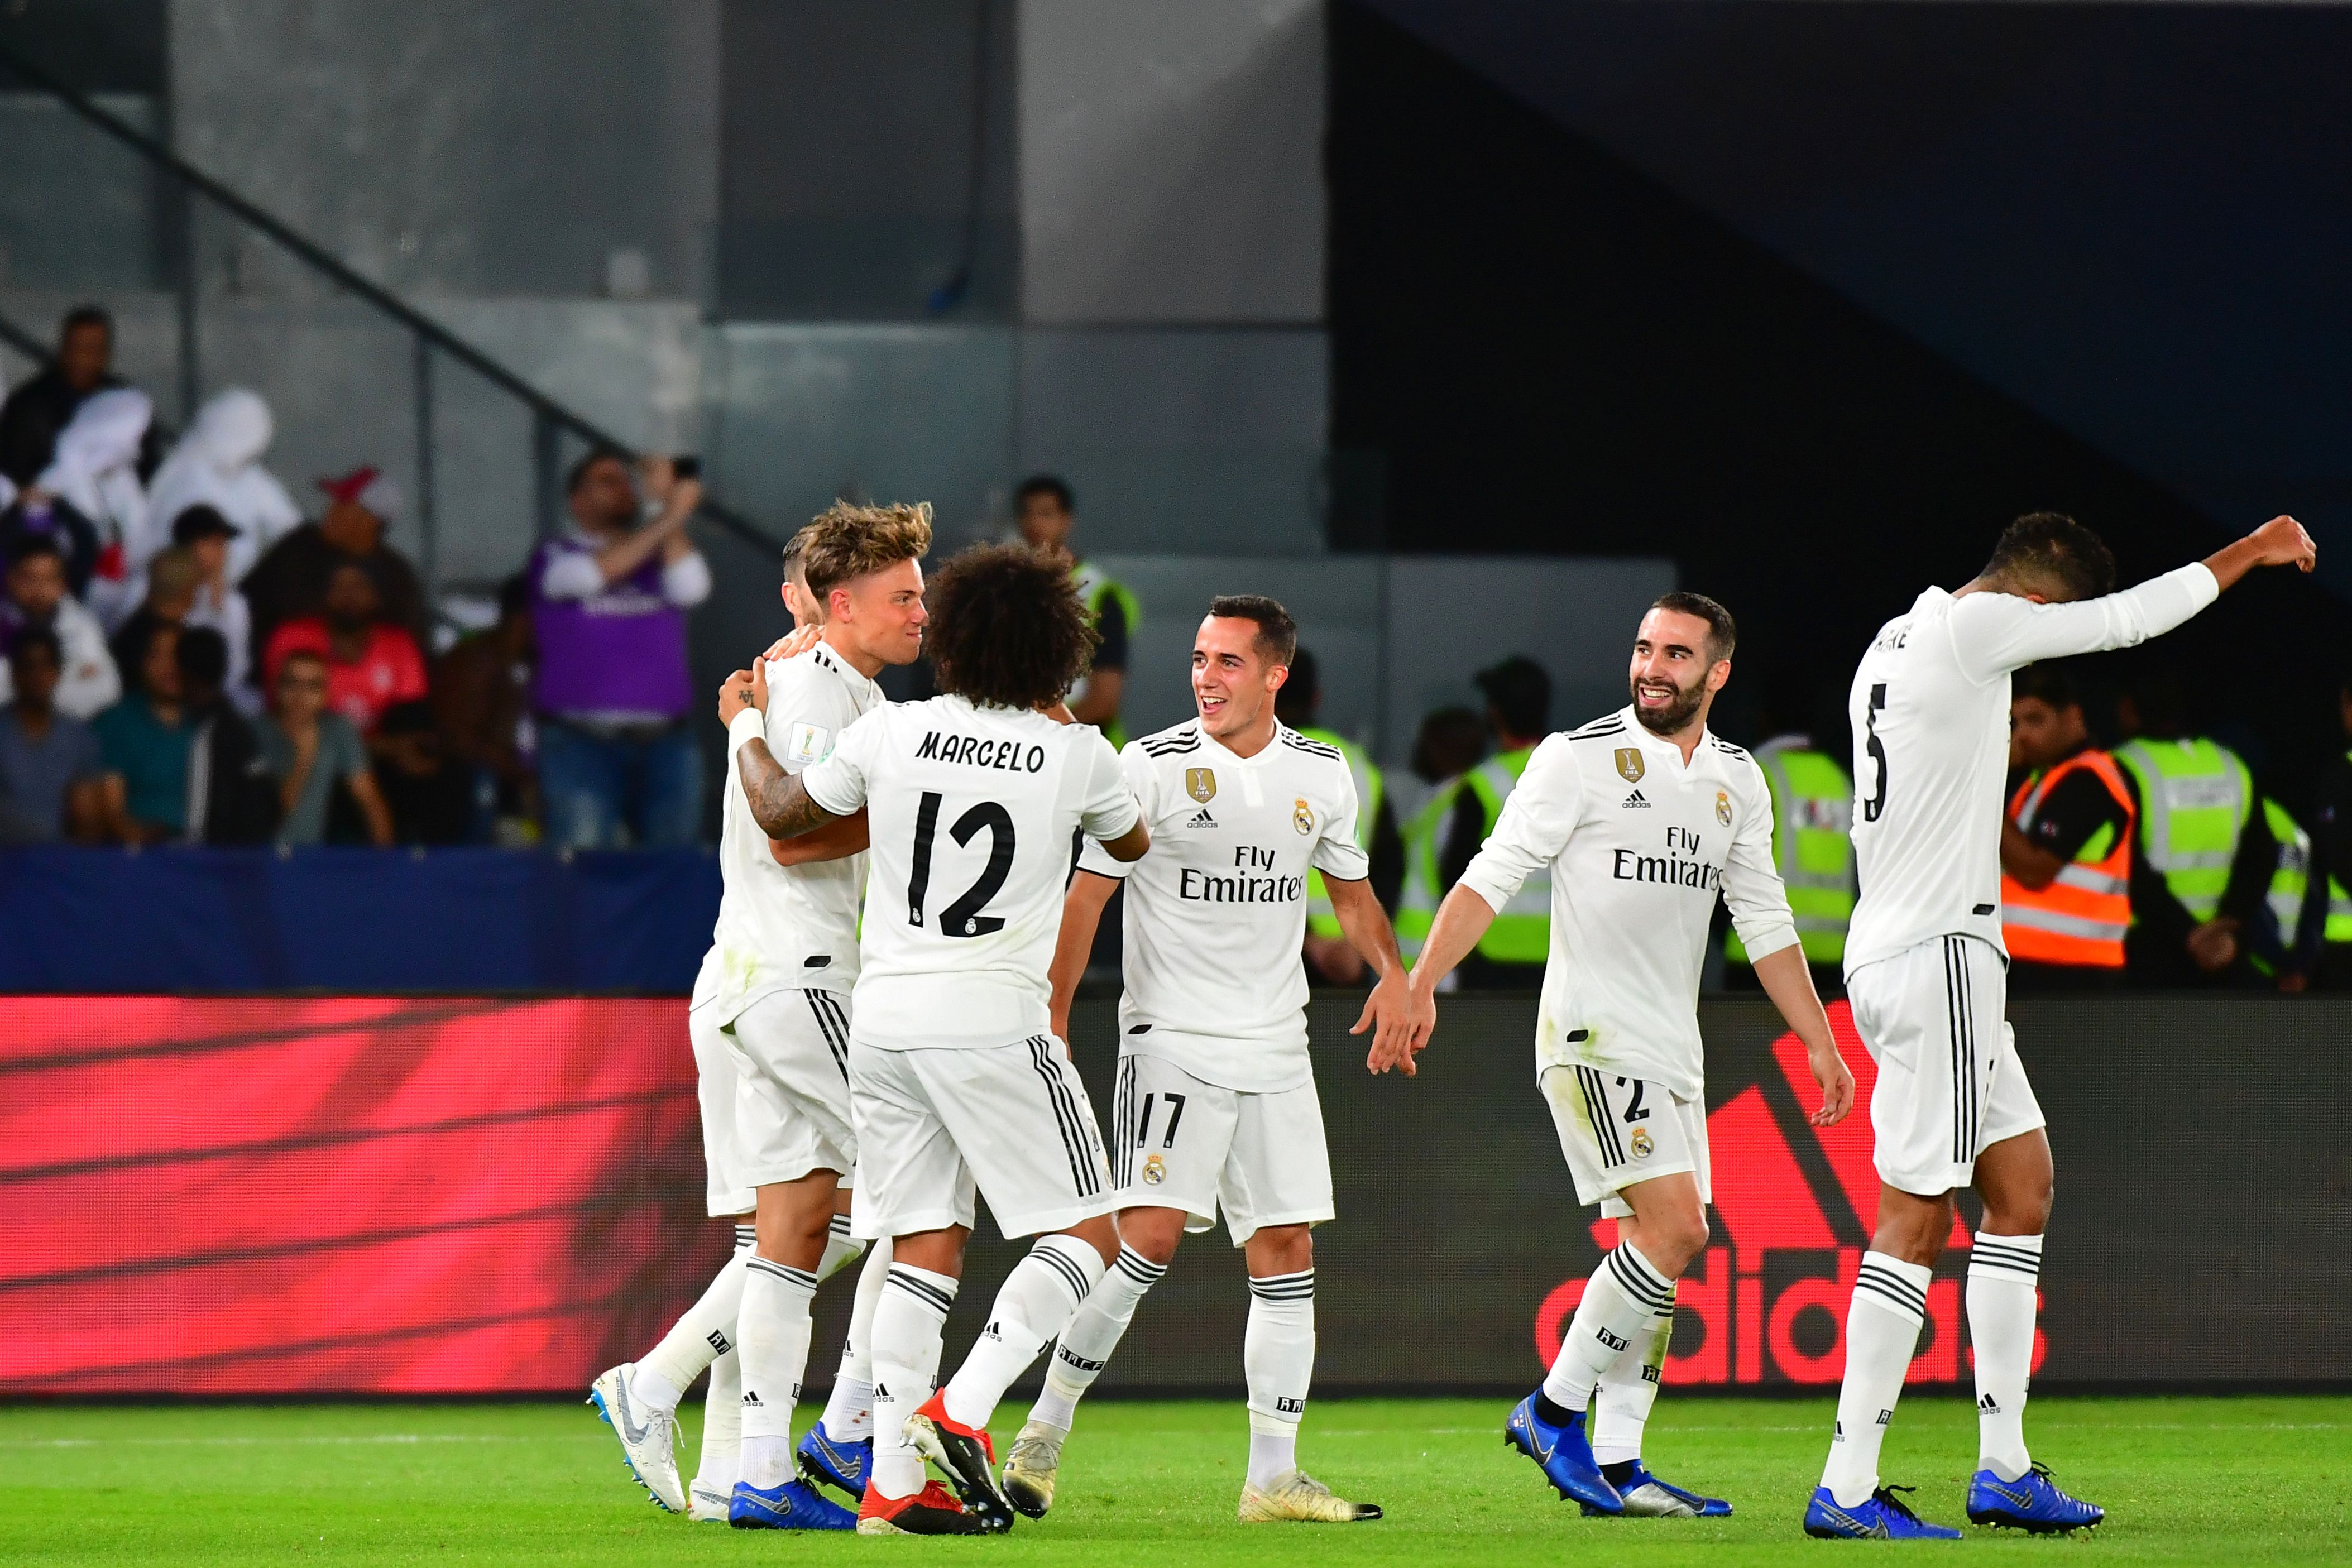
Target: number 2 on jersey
[
  {"x": 963, "y": 917},
  {"x": 1877, "y": 750}
]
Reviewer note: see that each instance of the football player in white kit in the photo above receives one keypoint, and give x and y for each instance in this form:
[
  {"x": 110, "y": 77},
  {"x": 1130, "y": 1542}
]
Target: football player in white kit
[
  {"x": 767, "y": 1007},
  {"x": 1215, "y": 1104},
  {"x": 1642, "y": 818},
  {"x": 1924, "y": 968},
  {"x": 975, "y": 799}
]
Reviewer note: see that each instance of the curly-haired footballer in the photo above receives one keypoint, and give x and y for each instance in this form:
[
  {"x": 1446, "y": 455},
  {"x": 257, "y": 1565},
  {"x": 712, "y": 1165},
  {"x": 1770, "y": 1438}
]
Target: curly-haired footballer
[{"x": 956, "y": 1077}]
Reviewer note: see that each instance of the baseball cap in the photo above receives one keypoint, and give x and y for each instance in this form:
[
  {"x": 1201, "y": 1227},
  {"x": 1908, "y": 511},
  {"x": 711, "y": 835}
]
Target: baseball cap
[
  {"x": 369, "y": 487},
  {"x": 200, "y": 522}
]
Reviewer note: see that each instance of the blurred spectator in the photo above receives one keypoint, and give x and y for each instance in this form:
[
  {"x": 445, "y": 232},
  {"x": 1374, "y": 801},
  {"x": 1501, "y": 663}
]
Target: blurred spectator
[
  {"x": 481, "y": 699},
  {"x": 144, "y": 741},
  {"x": 232, "y": 797},
  {"x": 89, "y": 501},
  {"x": 49, "y": 764},
  {"x": 1451, "y": 742},
  {"x": 1812, "y": 843},
  {"x": 1328, "y": 953},
  {"x": 2067, "y": 843},
  {"x": 2205, "y": 854},
  {"x": 608, "y": 609},
  {"x": 371, "y": 666},
  {"x": 1045, "y": 511},
  {"x": 313, "y": 753},
  {"x": 2332, "y": 849},
  {"x": 1518, "y": 710},
  {"x": 37, "y": 599},
  {"x": 2283, "y": 942},
  {"x": 217, "y": 465},
  {"x": 171, "y": 594},
  {"x": 37, "y": 411},
  {"x": 291, "y": 581},
  {"x": 210, "y": 540}
]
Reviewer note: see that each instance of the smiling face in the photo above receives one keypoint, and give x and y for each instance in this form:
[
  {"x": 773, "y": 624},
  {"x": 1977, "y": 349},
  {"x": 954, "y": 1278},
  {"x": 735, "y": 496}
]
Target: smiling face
[
  {"x": 882, "y": 612},
  {"x": 1233, "y": 683},
  {"x": 1674, "y": 675}
]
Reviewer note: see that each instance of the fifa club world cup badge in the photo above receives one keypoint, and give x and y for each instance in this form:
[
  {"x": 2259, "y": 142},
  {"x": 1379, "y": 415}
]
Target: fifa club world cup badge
[
  {"x": 1302, "y": 816},
  {"x": 1723, "y": 808},
  {"x": 1630, "y": 766},
  {"x": 1201, "y": 783},
  {"x": 1155, "y": 1171}
]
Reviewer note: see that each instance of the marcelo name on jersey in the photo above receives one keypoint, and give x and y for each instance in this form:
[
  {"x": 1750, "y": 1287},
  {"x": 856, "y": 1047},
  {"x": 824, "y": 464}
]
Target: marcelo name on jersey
[
  {"x": 1671, "y": 868},
  {"x": 981, "y": 751},
  {"x": 1248, "y": 884}
]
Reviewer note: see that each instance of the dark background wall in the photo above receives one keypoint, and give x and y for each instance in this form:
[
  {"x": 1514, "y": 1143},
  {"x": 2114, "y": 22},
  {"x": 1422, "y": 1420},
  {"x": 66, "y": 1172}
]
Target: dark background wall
[{"x": 1541, "y": 345}]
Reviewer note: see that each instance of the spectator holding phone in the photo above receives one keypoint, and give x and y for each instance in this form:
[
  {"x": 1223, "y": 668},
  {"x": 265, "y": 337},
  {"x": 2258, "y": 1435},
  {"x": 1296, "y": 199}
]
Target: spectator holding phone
[{"x": 608, "y": 609}]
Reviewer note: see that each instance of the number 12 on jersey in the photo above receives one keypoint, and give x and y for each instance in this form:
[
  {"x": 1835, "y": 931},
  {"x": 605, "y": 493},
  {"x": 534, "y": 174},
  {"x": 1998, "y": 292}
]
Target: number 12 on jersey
[{"x": 962, "y": 917}]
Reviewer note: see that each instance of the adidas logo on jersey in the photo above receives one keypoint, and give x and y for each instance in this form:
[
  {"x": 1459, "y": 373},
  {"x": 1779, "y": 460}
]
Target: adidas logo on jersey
[
  {"x": 1635, "y": 802},
  {"x": 1203, "y": 819}
]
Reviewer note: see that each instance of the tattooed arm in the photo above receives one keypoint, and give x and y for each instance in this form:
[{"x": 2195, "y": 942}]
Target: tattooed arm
[{"x": 779, "y": 804}]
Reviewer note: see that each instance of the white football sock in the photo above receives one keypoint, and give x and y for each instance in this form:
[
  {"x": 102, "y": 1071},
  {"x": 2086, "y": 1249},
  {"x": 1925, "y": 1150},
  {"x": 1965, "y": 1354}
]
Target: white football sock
[
  {"x": 849, "y": 1413},
  {"x": 907, "y": 1324},
  {"x": 1036, "y": 1303},
  {"x": 1621, "y": 1406},
  {"x": 704, "y": 1333},
  {"x": 1094, "y": 1333},
  {"x": 723, "y": 1428},
  {"x": 2003, "y": 1273},
  {"x": 774, "y": 1330},
  {"x": 840, "y": 1250},
  {"x": 1882, "y": 1331},
  {"x": 1277, "y": 1365},
  {"x": 1620, "y": 1298}
]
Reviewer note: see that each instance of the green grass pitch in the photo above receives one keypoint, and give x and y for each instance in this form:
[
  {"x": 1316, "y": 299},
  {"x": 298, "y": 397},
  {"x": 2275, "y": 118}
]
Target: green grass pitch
[{"x": 2231, "y": 1480}]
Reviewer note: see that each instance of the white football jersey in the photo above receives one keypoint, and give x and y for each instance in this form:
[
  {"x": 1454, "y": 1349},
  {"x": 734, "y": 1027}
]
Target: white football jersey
[
  {"x": 779, "y": 927},
  {"x": 1930, "y": 712},
  {"x": 972, "y": 813},
  {"x": 1216, "y": 914},
  {"x": 1639, "y": 844}
]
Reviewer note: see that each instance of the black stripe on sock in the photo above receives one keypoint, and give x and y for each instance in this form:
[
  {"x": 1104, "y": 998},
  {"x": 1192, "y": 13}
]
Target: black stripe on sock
[
  {"x": 800, "y": 1278},
  {"x": 1071, "y": 1274},
  {"x": 1139, "y": 1268},
  {"x": 1635, "y": 1279},
  {"x": 1894, "y": 1288},
  {"x": 923, "y": 1291}
]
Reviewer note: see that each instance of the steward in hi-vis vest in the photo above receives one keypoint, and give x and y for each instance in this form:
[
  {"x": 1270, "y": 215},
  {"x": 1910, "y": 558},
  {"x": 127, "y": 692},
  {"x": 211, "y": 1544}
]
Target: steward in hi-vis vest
[
  {"x": 2331, "y": 842},
  {"x": 1329, "y": 957},
  {"x": 1511, "y": 954},
  {"x": 2206, "y": 858},
  {"x": 1812, "y": 848},
  {"x": 1045, "y": 511},
  {"x": 2304, "y": 909},
  {"x": 2066, "y": 844}
]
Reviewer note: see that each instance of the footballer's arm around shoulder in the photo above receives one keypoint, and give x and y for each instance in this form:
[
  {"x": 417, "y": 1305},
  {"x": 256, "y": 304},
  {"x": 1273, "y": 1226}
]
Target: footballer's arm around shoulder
[{"x": 1130, "y": 845}]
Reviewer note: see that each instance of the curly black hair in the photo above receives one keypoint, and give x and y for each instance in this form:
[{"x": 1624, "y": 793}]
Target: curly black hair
[
  {"x": 2051, "y": 551},
  {"x": 1007, "y": 629}
]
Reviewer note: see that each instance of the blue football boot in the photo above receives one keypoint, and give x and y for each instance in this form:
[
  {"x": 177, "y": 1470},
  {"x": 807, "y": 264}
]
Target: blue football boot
[
  {"x": 1564, "y": 1455},
  {"x": 825, "y": 1458},
  {"x": 792, "y": 1506},
  {"x": 2031, "y": 1503},
  {"x": 1647, "y": 1497},
  {"x": 1884, "y": 1517}
]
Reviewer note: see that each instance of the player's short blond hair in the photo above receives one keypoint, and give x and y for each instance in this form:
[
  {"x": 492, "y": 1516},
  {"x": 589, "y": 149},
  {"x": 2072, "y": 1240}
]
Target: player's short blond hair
[{"x": 846, "y": 542}]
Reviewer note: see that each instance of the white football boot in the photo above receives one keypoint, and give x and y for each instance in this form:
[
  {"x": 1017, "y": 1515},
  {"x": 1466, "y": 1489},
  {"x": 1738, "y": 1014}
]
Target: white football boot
[{"x": 649, "y": 1437}]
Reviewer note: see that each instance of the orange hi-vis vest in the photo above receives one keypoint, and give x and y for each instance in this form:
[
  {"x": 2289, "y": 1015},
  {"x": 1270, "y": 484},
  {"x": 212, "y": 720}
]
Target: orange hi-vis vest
[{"x": 2081, "y": 917}]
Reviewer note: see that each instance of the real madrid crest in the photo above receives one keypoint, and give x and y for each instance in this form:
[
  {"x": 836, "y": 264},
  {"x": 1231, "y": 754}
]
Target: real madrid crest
[
  {"x": 1641, "y": 1144},
  {"x": 1155, "y": 1171},
  {"x": 1630, "y": 766},
  {"x": 1302, "y": 816},
  {"x": 1201, "y": 783},
  {"x": 1723, "y": 808}
]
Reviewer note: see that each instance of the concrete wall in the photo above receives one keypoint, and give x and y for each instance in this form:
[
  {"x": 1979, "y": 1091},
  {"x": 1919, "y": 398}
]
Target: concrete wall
[
  {"x": 451, "y": 147},
  {"x": 1170, "y": 160}
]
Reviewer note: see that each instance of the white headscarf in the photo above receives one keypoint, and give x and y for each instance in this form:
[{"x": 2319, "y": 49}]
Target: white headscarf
[
  {"x": 218, "y": 464},
  {"x": 94, "y": 469}
]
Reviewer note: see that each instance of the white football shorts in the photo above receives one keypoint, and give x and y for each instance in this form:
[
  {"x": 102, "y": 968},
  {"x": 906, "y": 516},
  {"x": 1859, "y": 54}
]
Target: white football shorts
[
  {"x": 1619, "y": 1131},
  {"x": 1951, "y": 1084},
  {"x": 1012, "y": 1120},
  {"x": 725, "y": 1191},
  {"x": 790, "y": 1051},
  {"x": 1179, "y": 1142}
]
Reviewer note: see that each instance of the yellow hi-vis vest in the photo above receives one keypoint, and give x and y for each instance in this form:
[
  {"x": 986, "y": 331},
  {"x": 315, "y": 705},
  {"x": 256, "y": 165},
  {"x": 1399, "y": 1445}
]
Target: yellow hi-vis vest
[
  {"x": 2292, "y": 881},
  {"x": 2195, "y": 799},
  {"x": 1417, "y": 899},
  {"x": 1370, "y": 788},
  {"x": 1095, "y": 589},
  {"x": 1521, "y": 933},
  {"x": 1812, "y": 847}
]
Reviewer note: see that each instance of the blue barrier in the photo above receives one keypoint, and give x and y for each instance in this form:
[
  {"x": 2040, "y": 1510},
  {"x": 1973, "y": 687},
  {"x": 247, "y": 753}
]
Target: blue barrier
[{"x": 359, "y": 921}]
